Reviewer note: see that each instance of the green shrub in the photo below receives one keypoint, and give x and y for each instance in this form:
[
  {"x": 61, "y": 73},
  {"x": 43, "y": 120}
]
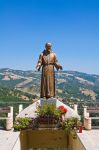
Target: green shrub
[
  {"x": 48, "y": 110},
  {"x": 71, "y": 123},
  {"x": 22, "y": 123}
]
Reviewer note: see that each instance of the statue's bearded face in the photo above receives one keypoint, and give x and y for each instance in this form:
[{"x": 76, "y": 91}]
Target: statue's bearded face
[{"x": 48, "y": 48}]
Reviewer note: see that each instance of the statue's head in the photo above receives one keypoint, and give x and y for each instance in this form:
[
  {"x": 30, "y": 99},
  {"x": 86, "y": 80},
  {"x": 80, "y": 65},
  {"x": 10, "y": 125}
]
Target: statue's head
[{"x": 48, "y": 46}]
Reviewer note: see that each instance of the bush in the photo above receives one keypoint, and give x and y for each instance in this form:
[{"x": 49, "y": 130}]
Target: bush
[
  {"x": 48, "y": 110},
  {"x": 22, "y": 123},
  {"x": 71, "y": 123}
]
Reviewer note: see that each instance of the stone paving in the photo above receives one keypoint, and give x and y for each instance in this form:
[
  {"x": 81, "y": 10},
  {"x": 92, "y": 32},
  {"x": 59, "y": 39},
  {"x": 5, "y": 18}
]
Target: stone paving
[
  {"x": 90, "y": 139},
  {"x": 8, "y": 139}
]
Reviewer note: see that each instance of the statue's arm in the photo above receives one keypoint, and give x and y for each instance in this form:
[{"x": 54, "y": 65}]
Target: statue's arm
[
  {"x": 57, "y": 65},
  {"x": 39, "y": 63}
]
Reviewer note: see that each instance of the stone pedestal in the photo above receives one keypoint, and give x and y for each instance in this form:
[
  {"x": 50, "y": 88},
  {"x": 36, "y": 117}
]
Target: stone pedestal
[
  {"x": 48, "y": 101},
  {"x": 31, "y": 110}
]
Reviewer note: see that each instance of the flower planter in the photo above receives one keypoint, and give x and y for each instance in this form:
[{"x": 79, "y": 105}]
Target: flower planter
[
  {"x": 48, "y": 121},
  {"x": 47, "y": 125}
]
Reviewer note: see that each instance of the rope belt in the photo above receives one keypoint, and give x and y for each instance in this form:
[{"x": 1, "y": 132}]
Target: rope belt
[{"x": 48, "y": 64}]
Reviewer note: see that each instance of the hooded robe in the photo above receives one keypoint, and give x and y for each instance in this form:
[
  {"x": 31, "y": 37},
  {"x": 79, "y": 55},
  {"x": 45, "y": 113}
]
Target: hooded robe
[{"x": 47, "y": 61}]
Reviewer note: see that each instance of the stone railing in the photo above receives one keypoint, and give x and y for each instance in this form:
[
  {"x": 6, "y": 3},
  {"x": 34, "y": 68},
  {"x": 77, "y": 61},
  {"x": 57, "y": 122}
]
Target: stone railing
[
  {"x": 87, "y": 118},
  {"x": 9, "y": 119}
]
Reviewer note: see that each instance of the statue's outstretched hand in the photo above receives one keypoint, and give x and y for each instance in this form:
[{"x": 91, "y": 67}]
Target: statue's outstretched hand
[
  {"x": 60, "y": 67},
  {"x": 38, "y": 67}
]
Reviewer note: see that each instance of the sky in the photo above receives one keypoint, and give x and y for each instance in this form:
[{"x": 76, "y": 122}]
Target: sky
[{"x": 72, "y": 26}]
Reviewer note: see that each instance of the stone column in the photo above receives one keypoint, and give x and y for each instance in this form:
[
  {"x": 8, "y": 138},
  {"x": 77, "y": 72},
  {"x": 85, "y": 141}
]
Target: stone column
[
  {"x": 85, "y": 111},
  {"x": 76, "y": 108},
  {"x": 87, "y": 119},
  {"x": 87, "y": 123},
  {"x": 9, "y": 120},
  {"x": 20, "y": 108}
]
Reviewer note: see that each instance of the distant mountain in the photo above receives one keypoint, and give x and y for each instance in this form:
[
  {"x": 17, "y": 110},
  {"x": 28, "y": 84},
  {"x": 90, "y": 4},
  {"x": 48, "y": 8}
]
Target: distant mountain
[{"x": 69, "y": 84}]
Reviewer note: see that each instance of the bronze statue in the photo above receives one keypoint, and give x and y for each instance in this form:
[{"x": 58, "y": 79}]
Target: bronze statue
[{"x": 48, "y": 60}]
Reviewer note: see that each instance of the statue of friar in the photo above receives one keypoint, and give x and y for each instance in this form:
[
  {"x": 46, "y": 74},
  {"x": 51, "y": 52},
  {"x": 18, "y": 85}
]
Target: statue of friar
[{"x": 48, "y": 61}]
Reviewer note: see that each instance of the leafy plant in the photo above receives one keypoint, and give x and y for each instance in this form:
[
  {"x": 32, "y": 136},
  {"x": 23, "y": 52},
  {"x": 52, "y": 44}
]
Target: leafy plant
[
  {"x": 71, "y": 123},
  {"x": 22, "y": 123},
  {"x": 48, "y": 110}
]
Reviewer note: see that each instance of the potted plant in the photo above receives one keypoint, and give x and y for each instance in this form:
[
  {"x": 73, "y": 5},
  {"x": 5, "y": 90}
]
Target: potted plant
[{"x": 50, "y": 116}]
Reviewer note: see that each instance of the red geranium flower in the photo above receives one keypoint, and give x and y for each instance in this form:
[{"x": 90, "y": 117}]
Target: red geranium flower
[{"x": 62, "y": 109}]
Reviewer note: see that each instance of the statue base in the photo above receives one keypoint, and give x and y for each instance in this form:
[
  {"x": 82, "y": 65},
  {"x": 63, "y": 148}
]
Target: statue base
[
  {"x": 48, "y": 101},
  {"x": 30, "y": 111}
]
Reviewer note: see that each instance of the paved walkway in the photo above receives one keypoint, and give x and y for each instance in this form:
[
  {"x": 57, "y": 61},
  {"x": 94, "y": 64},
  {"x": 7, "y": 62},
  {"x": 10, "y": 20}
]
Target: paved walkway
[
  {"x": 8, "y": 139},
  {"x": 90, "y": 139}
]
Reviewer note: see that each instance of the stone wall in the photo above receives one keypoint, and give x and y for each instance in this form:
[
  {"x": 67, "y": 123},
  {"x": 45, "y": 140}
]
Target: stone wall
[{"x": 49, "y": 138}]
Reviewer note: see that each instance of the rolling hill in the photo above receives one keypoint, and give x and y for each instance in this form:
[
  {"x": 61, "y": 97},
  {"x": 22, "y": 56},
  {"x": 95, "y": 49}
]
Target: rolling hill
[{"x": 69, "y": 84}]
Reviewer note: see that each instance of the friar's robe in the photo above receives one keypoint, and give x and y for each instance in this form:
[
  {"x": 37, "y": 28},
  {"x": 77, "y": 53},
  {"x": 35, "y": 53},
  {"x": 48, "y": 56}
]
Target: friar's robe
[{"x": 47, "y": 61}]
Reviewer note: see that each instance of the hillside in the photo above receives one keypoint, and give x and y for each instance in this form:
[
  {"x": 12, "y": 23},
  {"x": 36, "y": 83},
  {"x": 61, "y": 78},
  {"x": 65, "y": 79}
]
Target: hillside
[
  {"x": 69, "y": 84},
  {"x": 14, "y": 95}
]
